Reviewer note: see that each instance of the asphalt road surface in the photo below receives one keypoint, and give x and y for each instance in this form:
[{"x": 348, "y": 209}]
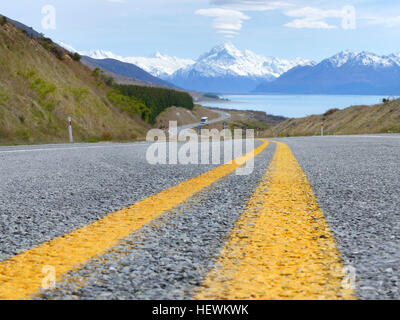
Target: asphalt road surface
[{"x": 49, "y": 192}]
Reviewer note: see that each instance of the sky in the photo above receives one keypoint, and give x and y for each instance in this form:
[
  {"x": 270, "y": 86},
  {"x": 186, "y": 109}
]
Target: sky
[{"x": 311, "y": 29}]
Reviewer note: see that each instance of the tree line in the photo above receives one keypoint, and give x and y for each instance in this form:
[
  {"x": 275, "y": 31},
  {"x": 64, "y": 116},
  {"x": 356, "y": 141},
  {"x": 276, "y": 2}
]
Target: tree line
[{"x": 156, "y": 99}]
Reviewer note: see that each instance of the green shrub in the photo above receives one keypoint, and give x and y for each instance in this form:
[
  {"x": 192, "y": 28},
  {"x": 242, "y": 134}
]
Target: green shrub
[
  {"x": 211, "y": 96},
  {"x": 76, "y": 56},
  {"x": 23, "y": 134},
  {"x": 3, "y": 21},
  {"x": 129, "y": 104},
  {"x": 42, "y": 88},
  {"x": 97, "y": 73},
  {"x": 109, "y": 81},
  {"x": 79, "y": 93},
  {"x": 384, "y": 100}
]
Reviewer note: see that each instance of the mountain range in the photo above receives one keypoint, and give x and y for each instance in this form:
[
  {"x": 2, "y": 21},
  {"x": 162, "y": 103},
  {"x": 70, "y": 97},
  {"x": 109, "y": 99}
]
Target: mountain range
[
  {"x": 344, "y": 73},
  {"x": 159, "y": 65},
  {"x": 226, "y": 69},
  {"x": 125, "y": 69}
]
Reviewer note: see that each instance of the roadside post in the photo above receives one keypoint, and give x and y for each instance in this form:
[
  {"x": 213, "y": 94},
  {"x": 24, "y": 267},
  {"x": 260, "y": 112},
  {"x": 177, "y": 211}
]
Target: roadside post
[
  {"x": 225, "y": 125},
  {"x": 71, "y": 138},
  {"x": 323, "y": 126}
]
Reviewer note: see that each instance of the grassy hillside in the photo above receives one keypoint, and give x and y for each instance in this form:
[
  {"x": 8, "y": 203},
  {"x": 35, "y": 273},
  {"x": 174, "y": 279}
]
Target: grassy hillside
[
  {"x": 381, "y": 118},
  {"x": 41, "y": 85}
]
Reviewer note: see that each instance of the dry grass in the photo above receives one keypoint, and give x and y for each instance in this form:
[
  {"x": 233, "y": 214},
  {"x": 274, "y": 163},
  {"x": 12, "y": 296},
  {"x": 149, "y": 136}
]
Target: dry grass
[
  {"x": 381, "y": 118},
  {"x": 38, "y": 91}
]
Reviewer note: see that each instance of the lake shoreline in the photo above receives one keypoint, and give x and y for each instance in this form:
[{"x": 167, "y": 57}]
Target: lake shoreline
[{"x": 292, "y": 106}]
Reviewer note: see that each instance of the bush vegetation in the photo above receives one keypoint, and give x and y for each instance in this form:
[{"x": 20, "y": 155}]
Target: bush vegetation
[
  {"x": 211, "y": 96},
  {"x": 128, "y": 104},
  {"x": 76, "y": 56},
  {"x": 3, "y": 21},
  {"x": 148, "y": 102},
  {"x": 156, "y": 99}
]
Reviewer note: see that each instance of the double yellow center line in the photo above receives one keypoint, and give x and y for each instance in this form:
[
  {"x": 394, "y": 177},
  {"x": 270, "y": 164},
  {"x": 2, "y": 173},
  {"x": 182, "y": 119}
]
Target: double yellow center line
[
  {"x": 22, "y": 275},
  {"x": 281, "y": 247}
]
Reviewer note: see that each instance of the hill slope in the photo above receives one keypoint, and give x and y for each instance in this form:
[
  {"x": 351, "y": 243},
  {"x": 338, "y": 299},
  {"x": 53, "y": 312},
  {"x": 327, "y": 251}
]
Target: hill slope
[
  {"x": 159, "y": 65},
  {"x": 125, "y": 69},
  {"x": 381, "y": 118},
  {"x": 40, "y": 86}
]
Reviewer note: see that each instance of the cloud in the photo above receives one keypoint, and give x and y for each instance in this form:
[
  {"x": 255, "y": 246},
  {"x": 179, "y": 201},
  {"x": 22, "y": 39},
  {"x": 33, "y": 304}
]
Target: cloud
[
  {"x": 313, "y": 18},
  {"x": 229, "y": 16},
  {"x": 310, "y": 24},
  {"x": 226, "y": 21},
  {"x": 252, "y": 5}
]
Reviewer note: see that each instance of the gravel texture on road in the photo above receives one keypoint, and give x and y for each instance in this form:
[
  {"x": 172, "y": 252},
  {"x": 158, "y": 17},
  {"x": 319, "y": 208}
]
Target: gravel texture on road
[
  {"x": 50, "y": 191},
  {"x": 356, "y": 180},
  {"x": 171, "y": 256},
  {"x": 47, "y": 191}
]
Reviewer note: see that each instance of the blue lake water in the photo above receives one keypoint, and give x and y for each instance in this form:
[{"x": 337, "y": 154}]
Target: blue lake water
[{"x": 293, "y": 106}]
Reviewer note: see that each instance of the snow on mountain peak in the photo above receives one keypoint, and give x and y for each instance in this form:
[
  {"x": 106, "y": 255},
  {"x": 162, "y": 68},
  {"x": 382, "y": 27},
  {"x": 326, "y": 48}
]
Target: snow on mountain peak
[
  {"x": 222, "y": 60},
  {"x": 341, "y": 58},
  {"x": 101, "y": 54},
  {"x": 158, "y": 65},
  {"x": 364, "y": 58},
  {"x": 226, "y": 60}
]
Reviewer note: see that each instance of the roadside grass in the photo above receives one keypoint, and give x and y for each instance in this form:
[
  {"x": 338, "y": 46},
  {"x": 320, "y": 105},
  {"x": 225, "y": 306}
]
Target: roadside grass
[
  {"x": 40, "y": 89},
  {"x": 380, "y": 118}
]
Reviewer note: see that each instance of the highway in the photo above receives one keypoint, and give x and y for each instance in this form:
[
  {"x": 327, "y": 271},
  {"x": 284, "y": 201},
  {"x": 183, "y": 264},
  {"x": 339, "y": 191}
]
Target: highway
[
  {"x": 223, "y": 117},
  {"x": 115, "y": 227}
]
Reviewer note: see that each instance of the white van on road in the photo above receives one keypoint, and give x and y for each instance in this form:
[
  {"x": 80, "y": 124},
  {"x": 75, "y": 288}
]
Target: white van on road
[{"x": 204, "y": 120}]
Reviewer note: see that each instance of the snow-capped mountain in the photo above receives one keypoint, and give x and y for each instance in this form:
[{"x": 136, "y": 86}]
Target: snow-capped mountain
[
  {"x": 347, "y": 72},
  {"x": 363, "y": 59},
  {"x": 227, "y": 60},
  {"x": 223, "y": 69},
  {"x": 159, "y": 65},
  {"x": 227, "y": 69}
]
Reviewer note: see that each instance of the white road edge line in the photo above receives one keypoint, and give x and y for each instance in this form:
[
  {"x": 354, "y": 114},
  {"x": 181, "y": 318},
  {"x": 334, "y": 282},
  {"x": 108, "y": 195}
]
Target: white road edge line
[{"x": 69, "y": 148}]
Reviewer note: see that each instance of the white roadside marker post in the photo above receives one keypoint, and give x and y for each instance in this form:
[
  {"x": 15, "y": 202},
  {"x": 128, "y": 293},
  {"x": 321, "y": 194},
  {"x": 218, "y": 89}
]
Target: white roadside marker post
[
  {"x": 322, "y": 129},
  {"x": 71, "y": 138}
]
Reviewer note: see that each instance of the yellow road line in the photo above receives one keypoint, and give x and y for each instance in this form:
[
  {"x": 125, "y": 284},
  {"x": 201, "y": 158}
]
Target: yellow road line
[
  {"x": 281, "y": 247},
  {"x": 21, "y": 276}
]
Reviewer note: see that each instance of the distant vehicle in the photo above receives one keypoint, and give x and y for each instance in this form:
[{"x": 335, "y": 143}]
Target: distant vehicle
[{"x": 204, "y": 120}]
